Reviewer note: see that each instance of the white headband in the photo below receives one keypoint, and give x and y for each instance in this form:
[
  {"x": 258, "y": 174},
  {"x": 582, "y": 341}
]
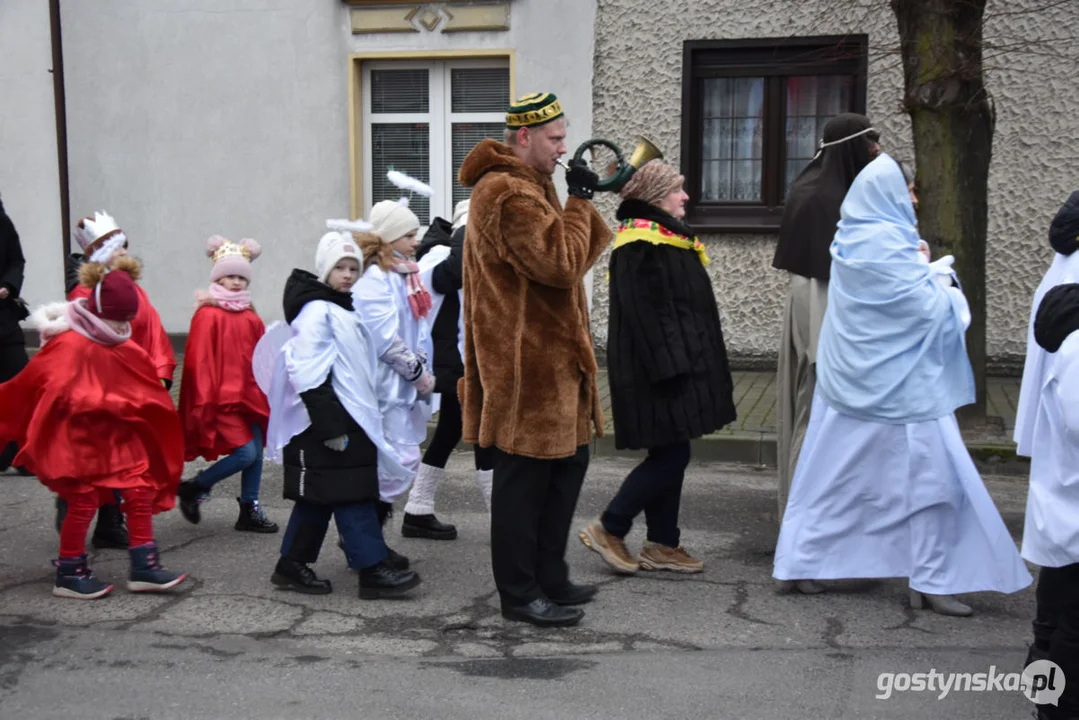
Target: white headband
[{"x": 844, "y": 139}]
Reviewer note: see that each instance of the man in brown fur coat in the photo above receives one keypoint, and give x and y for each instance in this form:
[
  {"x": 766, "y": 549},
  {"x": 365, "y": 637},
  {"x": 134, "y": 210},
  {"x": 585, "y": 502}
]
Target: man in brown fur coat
[{"x": 529, "y": 388}]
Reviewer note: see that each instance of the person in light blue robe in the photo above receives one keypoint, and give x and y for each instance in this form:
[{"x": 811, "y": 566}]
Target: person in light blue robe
[{"x": 884, "y": 486}]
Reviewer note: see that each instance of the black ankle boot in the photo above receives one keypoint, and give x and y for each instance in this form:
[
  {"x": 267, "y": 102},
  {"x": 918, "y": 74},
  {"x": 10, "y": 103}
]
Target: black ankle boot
[
  {"x": 427, "y": 526},
  {"x": 385, "y": 581},
  {"x": 110, "y": 532},
  {"x": 295, "y": 575},
  {"x": 253, "y": 519},
  {"x": 191, "y": 495}
]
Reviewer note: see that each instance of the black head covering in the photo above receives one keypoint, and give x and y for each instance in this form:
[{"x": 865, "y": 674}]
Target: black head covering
[
  {"x": 1057, "y": 316},
  {"x": 1064, "y": 230},
  {"x": 812, "y": 208}
]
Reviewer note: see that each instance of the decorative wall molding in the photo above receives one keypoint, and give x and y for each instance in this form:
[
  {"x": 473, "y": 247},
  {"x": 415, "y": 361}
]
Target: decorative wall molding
[{"x": 408, "y": 16}]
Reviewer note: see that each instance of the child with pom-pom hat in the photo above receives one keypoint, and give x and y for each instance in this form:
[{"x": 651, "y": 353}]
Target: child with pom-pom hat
[{"x": 224, "y": 411}]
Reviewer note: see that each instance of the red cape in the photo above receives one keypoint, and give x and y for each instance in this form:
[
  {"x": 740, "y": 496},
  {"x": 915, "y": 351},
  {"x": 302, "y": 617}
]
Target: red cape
[
  {"x": 219, "y": 399},
  {"x": 90, "y": 417},
  {"x": 146, "y": 331}
]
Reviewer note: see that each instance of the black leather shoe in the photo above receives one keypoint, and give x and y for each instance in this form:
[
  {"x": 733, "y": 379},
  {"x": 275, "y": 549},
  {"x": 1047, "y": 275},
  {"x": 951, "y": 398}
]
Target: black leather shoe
[
  {"x": 394, "y": 559},
  {"x": 427, "y": 526},
  {"x": 544, "y": 613},
  {"x": 385, "y": 581},
  {"x": 293, "y": 575},
  {"x": 110, "y": 532},
  {"x": 573, "y": 594}
]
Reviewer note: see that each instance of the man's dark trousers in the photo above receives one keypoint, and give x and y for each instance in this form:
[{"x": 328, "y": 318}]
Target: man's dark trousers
[{"x": 532, "y": 506}]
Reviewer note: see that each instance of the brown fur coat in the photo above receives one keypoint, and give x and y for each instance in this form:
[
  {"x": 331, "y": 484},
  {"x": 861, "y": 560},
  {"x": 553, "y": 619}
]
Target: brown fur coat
[{"x": 530, "y": 371}]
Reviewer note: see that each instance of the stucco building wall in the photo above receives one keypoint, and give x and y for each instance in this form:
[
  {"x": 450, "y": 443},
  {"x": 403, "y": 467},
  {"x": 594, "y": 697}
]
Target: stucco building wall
[
  {"x": 193, "y": 117},
  {"x": 638, "y": 89},
  {"x": 29, "y": 174}
]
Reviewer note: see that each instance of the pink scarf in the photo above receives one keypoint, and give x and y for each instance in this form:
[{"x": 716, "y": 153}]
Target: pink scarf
[
  {"x": 233, "y": 301},
  {"x": 90, "y": 326},
  {"x": 419, "y": 300}
]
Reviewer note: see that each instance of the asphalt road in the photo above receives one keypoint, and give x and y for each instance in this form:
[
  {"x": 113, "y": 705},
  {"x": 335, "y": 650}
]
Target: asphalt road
[{"x": 721, "y": 644}]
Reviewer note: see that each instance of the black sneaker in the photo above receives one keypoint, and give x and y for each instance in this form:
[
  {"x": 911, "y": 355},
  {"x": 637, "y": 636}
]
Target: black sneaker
[
  {"x": 253, "y": 519},
  {"x": 297, "y": 576},
  {"x": 385, "y": 581},
  {"x": 427, "y": 526},
  {"x": 111, "y": 531}
]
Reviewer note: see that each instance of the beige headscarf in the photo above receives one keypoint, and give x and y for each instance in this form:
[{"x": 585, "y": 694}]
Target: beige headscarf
[{"x": 653, "y": 182}]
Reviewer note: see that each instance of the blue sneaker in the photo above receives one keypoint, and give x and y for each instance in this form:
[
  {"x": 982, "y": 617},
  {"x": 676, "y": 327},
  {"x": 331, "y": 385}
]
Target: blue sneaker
[
  {"x": 147, "y": 575},
  {"x": 75, "y": 580}
]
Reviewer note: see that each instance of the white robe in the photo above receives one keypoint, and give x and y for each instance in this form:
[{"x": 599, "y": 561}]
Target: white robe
[
  {"x": 873, "y": 500},
  {"x": 326, "y": 337},
  {"x": 1064, "y": 269},
  {"x": 1051, "y": 529},
  {"x": 381, "y": 300}
]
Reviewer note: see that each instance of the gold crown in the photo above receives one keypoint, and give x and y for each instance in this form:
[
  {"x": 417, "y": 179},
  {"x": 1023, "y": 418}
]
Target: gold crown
[{"x": 231, "y": 248}]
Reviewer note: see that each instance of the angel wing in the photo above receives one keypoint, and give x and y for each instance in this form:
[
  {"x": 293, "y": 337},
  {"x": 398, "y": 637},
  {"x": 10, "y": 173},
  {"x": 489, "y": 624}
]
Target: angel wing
[{"x": 266, "y": 352}]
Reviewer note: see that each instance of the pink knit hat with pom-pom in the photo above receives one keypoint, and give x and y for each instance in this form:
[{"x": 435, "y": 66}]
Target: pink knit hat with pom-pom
[{"x": 231, "y": 258}]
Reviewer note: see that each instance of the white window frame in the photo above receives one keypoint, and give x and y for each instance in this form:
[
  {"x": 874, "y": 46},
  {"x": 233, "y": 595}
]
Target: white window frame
[{"x": 439, "y": 119}]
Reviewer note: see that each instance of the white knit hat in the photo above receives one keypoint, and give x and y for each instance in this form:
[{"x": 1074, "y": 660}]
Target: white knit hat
[
  {"x": 332, "y": 248},
  {"x": 460, "y": 214},
  {"x": 392, "y": 221}
]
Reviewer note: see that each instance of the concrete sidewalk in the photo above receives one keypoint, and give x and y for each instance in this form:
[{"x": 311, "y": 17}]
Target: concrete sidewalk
[{"x": 752, "y": 437}]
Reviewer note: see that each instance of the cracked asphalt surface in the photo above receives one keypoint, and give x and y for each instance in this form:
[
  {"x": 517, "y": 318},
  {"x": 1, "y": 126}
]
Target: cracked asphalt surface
[{"x": 721, "y": 644}]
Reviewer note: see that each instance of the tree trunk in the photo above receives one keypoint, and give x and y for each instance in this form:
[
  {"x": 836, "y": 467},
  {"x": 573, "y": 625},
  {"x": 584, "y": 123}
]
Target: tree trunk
[{"x": 952, "y": 119}]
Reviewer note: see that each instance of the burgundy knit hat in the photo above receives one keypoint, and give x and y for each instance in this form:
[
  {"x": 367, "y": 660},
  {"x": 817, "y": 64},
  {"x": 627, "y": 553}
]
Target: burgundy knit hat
[{"x": 114, "y": 298}]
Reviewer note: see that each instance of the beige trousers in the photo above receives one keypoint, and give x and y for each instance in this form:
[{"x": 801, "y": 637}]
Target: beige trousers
[{"x": 796, "y": 379}]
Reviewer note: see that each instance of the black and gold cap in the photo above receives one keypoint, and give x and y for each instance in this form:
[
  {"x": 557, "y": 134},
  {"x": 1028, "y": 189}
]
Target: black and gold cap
[{"x": 533, "y": 110}]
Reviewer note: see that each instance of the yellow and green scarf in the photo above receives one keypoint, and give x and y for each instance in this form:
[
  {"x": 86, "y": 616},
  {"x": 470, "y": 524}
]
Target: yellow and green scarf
[{"x": 636, "y": 230}]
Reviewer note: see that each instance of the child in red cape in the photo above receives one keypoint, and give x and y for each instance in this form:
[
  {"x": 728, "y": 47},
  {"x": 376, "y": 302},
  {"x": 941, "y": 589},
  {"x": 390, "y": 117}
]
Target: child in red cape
[
  {"x": 224, "y": 411},
  {"x": 92, "y": 419},
  {"x": 102, "y": 240}
]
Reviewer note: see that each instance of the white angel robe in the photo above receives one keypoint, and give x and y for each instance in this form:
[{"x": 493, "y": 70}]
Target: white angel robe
[
  {"x": 884, "y": 485},
  {"x": 326, "y": 337},
  {"x": 381, "y": 300},
  {"x": 1051, "y": 530},
  {"x": 1064, "y": 269}
]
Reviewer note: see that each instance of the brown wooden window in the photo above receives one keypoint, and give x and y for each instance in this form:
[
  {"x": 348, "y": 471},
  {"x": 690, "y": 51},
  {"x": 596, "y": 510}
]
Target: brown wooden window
[{"x": 752, "y": 115}]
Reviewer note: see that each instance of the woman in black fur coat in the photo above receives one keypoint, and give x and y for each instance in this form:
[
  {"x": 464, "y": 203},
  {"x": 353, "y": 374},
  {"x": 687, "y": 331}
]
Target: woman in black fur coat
[{"x": 667, "y": 364}]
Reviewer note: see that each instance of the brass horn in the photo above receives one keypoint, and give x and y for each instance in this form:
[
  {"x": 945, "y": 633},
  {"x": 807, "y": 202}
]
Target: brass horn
[{"x": 621, "y": 170}]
